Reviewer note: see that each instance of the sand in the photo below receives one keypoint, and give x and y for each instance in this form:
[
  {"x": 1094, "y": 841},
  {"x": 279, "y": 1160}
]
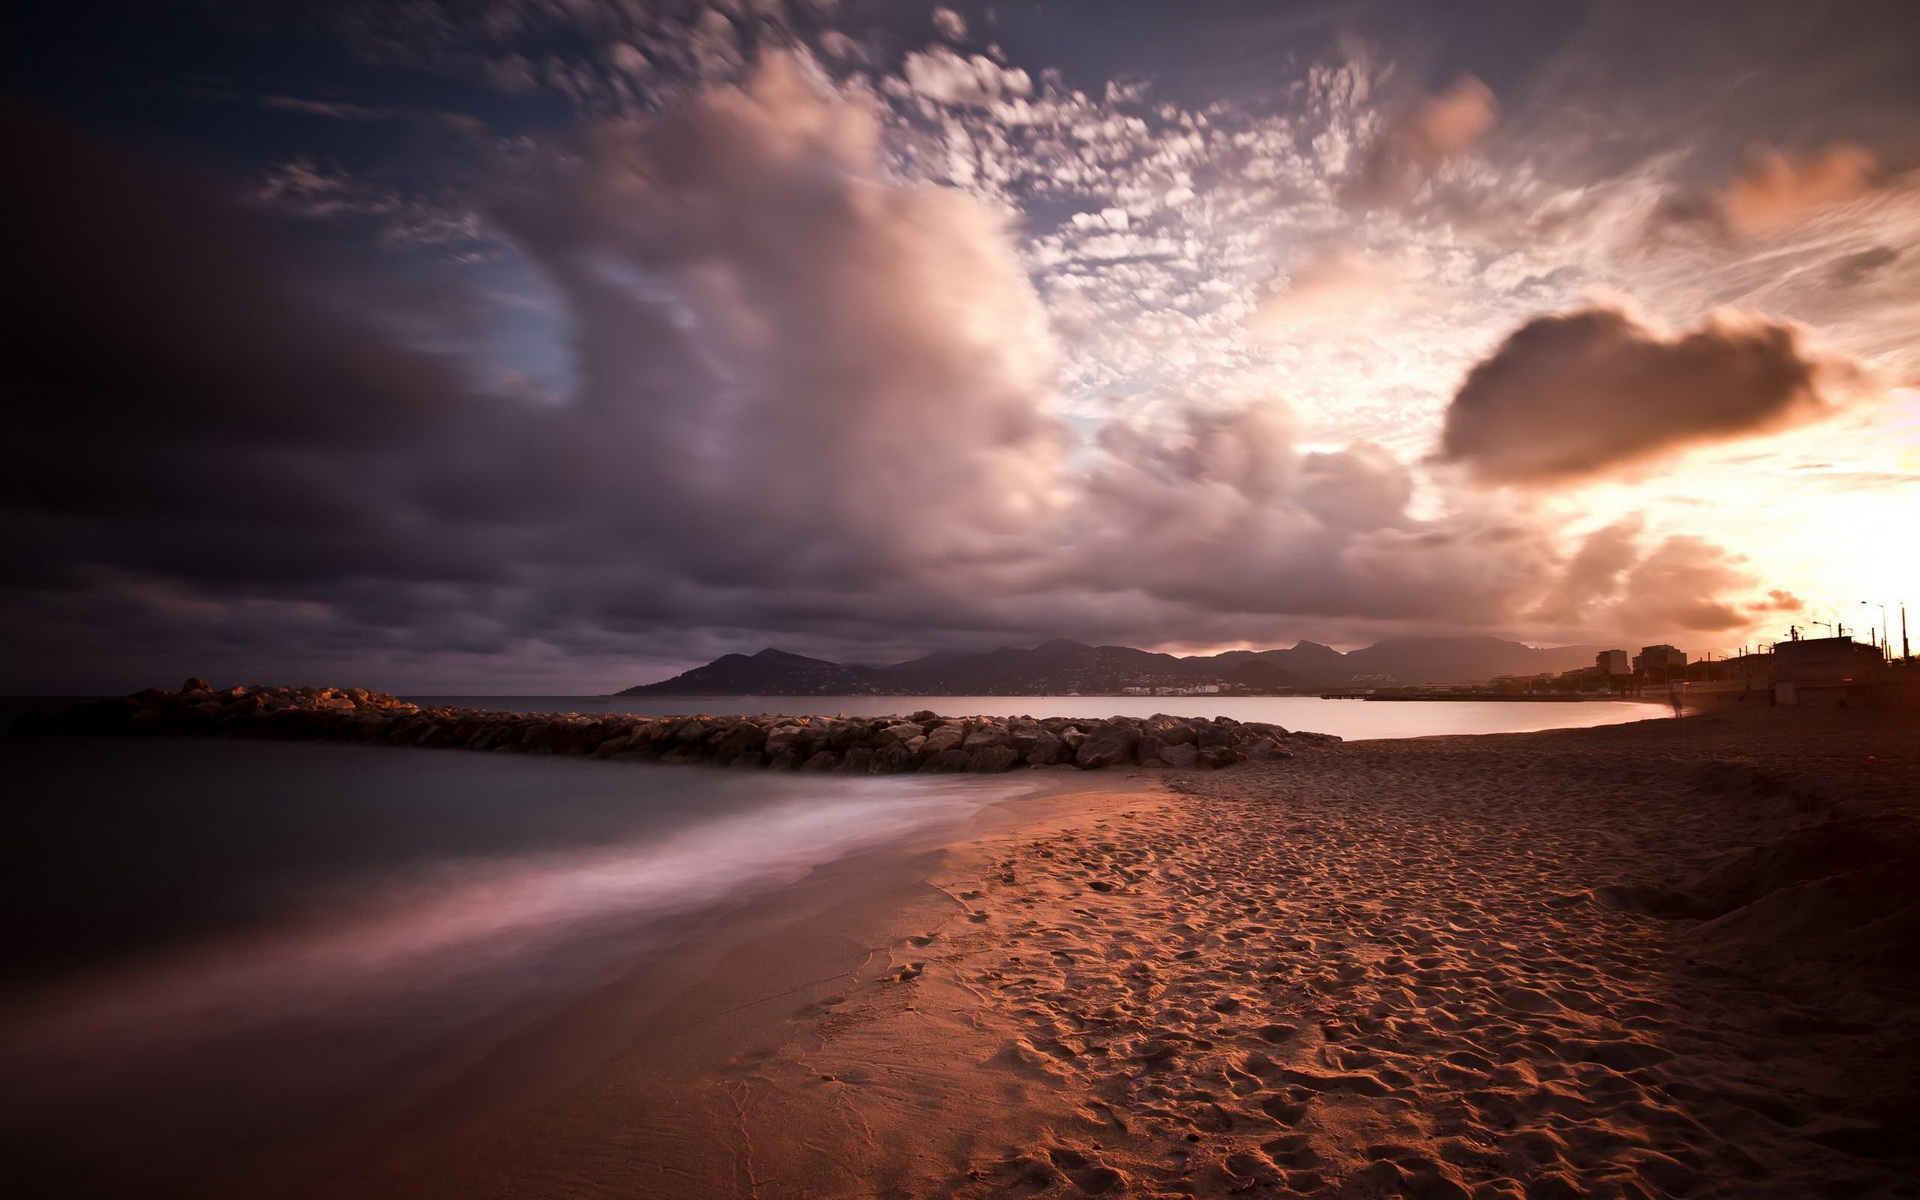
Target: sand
[{"x": 1671, "y": 958}]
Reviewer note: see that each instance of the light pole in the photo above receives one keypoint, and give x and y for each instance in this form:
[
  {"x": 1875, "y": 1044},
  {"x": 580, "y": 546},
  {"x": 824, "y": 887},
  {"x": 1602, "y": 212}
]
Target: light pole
[{"x": 1885, "y": 649}]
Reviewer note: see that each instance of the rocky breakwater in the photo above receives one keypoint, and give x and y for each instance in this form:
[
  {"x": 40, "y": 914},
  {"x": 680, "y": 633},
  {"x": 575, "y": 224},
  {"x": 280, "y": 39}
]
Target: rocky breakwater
[{"x": 921, "y": 742}]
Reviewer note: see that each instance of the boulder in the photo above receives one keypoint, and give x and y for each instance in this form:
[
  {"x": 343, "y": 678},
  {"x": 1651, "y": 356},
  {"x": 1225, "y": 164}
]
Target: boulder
[
  {"x": 797, "y": 740},
  {"x": 1185, "y": 754},
  {"x": 744, "y": 740},
  {"x": 1214, "y": 734},
  {"x": 1106, "y": 746},
  {"x": 1261, "y": 749},
  {"x": 946, "y": 737},
  {"x": 1218, "y": 756},
  {"x": 988, "y": 737},
  {"x": 891, "y": 760},
  {"x": 606, "y": 749},
  {"x": 1147, "y": 750},
  {"x": 859, "y": 761},
  {"x": 994, "y": 759},
  {"x": 1047, "y": 751},
  {"x": 947, "y": 760},
  {"x": 195, "y": 684},
  {"x": 1172, "y": 731},
  {"x": 901, "y": 732},
  {"x": 825, "y": 760}
]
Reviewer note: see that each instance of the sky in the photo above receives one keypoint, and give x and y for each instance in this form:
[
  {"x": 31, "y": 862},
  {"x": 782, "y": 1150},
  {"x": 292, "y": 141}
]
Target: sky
[{"x": 552, "y": 346}]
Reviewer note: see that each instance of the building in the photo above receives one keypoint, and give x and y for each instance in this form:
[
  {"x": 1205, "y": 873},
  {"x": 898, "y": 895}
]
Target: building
[
  {"x": 1660, "y": 663},
  {"x": 1613, "y": 662},
  {"x": 1833, "y": 671}
]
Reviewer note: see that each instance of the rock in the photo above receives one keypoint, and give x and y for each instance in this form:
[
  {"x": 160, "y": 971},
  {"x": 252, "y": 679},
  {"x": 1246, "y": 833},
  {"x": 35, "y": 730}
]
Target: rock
[
  {"x": 1183, "y": 755},
  {"x": 612, "y": 746},
  {"x": 1146, "y": 751},
  {"x": 1261, "y": 749},
  {"x": 946, "y": 737},
  {"x": 195, "y": 684},
  {"x": 947, "y": 760},
  {"x": 743, "y": 741},
  {"x": 1106, "y": 746},
  {"x": 825, "y": 760},
  {"x": 891, "y": 760},
  {"x": 786, "y": 760},
  {"x": 988, "y": 737},
  {"x": 1173, "y": 731},
  {"x": 859, "y": 761},
  {"x": 902, "y": 732},
  {"x": 1048, "y": 751},
  {"x": 1214, "y": 734},
  {"x": 994, "y": 759},
  {"x": 1218, "y": 756},
  {"x": 797, "y": 740},
  {"x": 916, "y": 745}
]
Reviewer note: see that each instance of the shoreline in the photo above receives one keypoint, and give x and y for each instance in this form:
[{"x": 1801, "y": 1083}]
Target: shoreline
[
  {"x": 735, "y": 1005},
  {"x": 1617, "y": 961},
  {"x": 1657, "y": 958}
]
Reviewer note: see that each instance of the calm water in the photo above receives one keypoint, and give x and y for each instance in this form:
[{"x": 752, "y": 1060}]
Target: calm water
[
  {"x": 211, "y": 944},
  {"x": 1355, "y": 720}
]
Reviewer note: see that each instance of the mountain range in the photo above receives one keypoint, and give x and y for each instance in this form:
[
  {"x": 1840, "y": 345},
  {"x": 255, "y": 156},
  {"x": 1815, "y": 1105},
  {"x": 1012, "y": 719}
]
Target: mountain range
[{"x": 1062, "y": 667}]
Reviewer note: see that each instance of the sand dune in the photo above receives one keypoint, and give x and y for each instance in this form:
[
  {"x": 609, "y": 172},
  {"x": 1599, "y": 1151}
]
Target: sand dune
[{"x": 1665, "y": 959}]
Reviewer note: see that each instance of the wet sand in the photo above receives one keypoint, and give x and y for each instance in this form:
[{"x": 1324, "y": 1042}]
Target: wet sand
[{"x": 1670, "y": 958}]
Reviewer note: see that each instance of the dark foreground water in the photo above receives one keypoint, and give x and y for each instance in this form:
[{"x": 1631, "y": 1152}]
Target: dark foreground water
[{"x": 211, "y": 943}]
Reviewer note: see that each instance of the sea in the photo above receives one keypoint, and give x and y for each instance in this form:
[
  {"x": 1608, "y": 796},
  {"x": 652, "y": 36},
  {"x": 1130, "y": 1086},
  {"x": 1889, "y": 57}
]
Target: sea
[
  {"x": 1355, "y": 719},
  {"x": 214, "y": 944}
]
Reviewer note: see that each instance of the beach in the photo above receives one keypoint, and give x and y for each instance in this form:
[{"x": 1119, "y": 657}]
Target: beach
[{"x": 1666, "y": 958}]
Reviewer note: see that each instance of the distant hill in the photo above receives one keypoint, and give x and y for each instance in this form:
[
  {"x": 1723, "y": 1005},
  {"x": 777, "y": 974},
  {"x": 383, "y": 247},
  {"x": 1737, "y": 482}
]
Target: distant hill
[
  {"x": 1061, "y": 667},
  {"x": 1462, "y": 659},
  {"x": 768, "y": 673}
]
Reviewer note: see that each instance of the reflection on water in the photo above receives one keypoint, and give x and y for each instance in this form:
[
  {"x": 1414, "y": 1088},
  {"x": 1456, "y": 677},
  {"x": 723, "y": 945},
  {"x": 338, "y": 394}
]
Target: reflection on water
[{"x": 230, "y": 940}]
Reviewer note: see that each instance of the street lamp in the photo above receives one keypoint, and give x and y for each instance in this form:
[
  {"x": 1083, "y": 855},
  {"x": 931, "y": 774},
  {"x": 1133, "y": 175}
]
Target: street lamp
[{"x": 1885, "y": 650}]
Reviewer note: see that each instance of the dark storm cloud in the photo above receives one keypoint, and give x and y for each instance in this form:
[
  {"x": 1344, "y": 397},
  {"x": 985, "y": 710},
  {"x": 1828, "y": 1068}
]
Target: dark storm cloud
[
  {"x": 1578, "y": 395},
  {"x": 172, "y": 399},
  {"x": 815, "y": 407}
]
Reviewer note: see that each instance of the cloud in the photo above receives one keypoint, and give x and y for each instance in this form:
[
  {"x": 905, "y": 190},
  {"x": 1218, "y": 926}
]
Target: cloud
[
  {"x": 1862, "y": 266},
  {"x": 1777, "y": 190},
  {"x": 814, "y": 406},
  {"x": 976, "y": 81},
  {"x": 830, "y": 375},
  {"x": 1616, "y": 580},
  {"x": 1331, "y": 285},
  {"x": 951, "y": 24},
  {"x": 1579, "y": 395},
  {"x": 1410, "y": 147}
]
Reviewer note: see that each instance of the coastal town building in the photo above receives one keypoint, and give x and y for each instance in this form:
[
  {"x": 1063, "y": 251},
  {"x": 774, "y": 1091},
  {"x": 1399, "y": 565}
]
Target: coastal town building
[{"x": 1658, "y": 664}]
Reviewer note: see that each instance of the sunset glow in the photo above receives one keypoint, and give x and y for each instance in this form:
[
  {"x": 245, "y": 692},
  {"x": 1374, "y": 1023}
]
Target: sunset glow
[{"x": 588, "y": 342}]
